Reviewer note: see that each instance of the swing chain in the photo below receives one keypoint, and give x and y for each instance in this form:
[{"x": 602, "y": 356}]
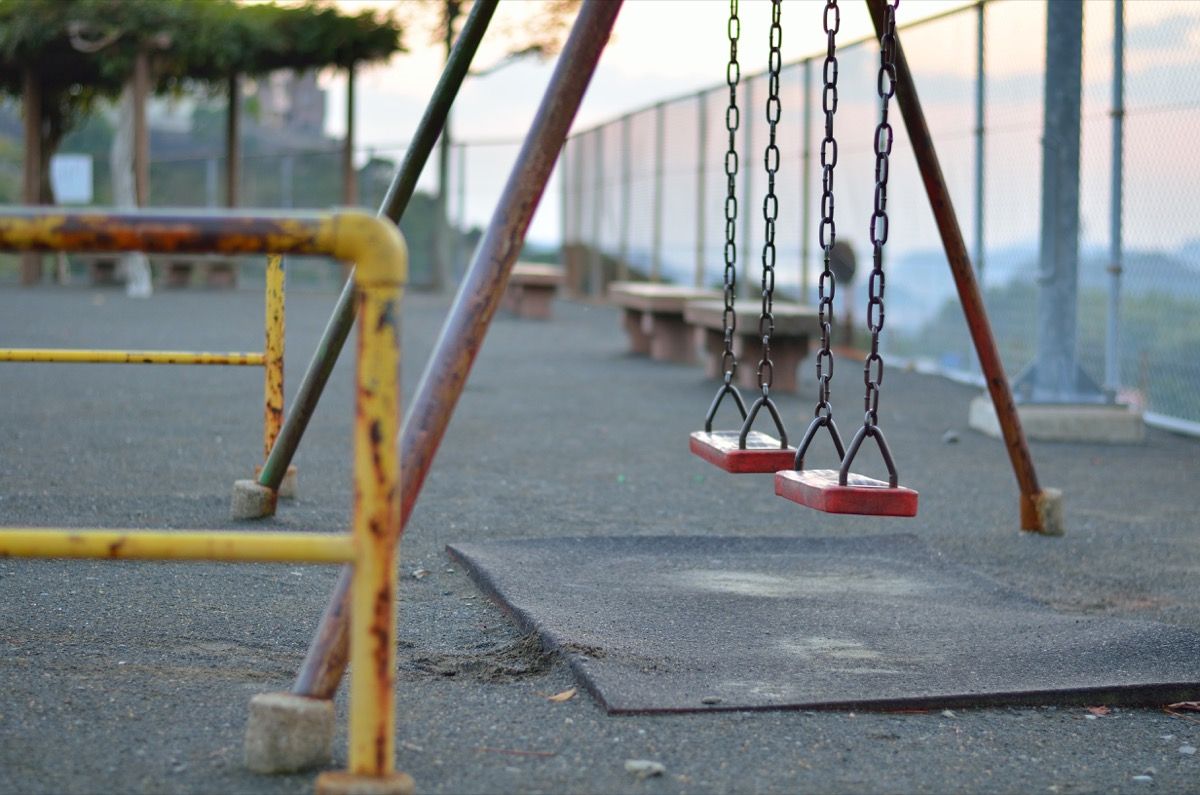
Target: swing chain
[
  {"x": 766, "y": 321},
  {"x": 732, "y": 122},
  {"x": 827, "y": 234},
  {"x": 886, "y": 87}
]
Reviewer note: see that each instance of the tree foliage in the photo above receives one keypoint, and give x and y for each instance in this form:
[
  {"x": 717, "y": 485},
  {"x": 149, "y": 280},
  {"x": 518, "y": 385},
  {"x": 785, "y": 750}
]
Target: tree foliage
[{"x": 81, "y": 50}]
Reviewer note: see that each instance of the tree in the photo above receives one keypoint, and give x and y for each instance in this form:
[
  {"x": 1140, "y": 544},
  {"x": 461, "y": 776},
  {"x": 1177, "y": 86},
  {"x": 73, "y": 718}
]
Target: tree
[
  {"x": 62, "y": 56},
  {"x": 535, "y": 29}
]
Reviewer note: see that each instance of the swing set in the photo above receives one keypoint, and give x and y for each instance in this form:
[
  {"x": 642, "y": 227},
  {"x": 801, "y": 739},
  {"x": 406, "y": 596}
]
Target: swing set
[
  {"x": 463, "y": 332},
  {"x": 746, "y": 450}
]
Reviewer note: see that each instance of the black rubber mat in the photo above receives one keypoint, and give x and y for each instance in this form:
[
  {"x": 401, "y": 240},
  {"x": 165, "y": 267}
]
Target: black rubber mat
[{"x": 670, "y": 624}]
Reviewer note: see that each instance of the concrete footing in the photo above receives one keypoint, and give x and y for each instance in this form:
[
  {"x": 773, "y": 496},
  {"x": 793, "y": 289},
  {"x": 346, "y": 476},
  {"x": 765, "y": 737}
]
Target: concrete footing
[
  {"x": 286, "y": 733},
  {"x": 287, "y": 486},
  {"x": 251, "y": 501},
  {"x": 338, "y": 782},
  {"x": 1109, "y": 424},
  {"x": 1050, "y": 512}
]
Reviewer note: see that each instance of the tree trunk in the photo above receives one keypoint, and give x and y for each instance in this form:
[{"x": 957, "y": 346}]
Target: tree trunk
[
  {"x": 442, "y": 278},
  {"x": 134, "y": 265},
  {"x": 233, "y": 143},
  {"x": 31, "y": 188},
  {"x": 141, "y": 131},
  {"x": 349, "y": 177}
]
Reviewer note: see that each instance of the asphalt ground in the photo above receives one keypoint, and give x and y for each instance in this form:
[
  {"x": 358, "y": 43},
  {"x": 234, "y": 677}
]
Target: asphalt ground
[{"x": 135, "y": 677}]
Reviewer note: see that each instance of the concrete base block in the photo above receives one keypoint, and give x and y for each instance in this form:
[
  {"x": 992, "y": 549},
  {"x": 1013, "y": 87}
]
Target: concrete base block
[
  {"x": 1050, "y": 512},
  {"x": 286, "y": 733},
  {"x": 287, "y": 486},
  {"x": 251, "y": 501},
  {"x": 339, "y": 782},
  {"x": 1065, "y": 423}
]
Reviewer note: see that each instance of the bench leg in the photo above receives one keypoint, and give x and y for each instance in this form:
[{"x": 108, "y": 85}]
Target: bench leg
[
  {"x": 511, "y": 302},
  {"x": 639, "y": 340},
  {"x": 713, "y": 342},
  {"x": 786, "y": 355},
  {"x": 671, "y": 338},
  {"x": 535, "y": 302},
  {"x": 178, "y": 274}
]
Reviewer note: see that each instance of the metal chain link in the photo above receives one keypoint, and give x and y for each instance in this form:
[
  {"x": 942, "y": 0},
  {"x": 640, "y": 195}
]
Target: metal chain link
[
  {"x": 827, "y": 233},
  {"x": 886, "y": 87},
  {"x": 766, "y": 321},
  {"x": 732, "y": 122}
]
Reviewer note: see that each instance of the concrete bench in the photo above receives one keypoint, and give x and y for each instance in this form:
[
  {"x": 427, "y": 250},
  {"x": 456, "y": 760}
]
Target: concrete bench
[
  {"x": 795, "y": 325},
  {"x": 531, "y": 290},
  {"x": 653, "y": 318},
  {"x": 176, "y": 271}
]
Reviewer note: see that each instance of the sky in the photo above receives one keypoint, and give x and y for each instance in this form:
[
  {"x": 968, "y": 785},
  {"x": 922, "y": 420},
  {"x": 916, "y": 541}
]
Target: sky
[{"x": 659, "y": 49}]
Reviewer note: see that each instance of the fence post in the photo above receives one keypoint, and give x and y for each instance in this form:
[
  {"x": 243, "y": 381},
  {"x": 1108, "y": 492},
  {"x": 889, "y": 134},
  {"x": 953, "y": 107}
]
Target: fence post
[
  {"x": 980, "y": 121},
  {"x": 626, "y": 197},
  {"x": 980, "y": 141},
  {"x": 561, "y": 168},
  {"x": 1055, "y": 375},
  {"x": 577, "y": 158},
  {"x": 596, "y": 265},
  {"x": 211, "y": 182},
  {"x": 747, "y": 174},
  {"x": 806, "y": 183},
  {"x": 1112, "y": 361},
  {"x": 460, "y": 221},
  {"x": 287, "y": 179},
  {"x": 701, "y": 175},
  {"x": 659, "y": 154}
]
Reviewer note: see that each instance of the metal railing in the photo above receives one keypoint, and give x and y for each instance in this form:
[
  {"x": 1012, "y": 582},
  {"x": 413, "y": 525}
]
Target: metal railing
[
  {"x": 270, "y": 359},
  {"x": 381, "y": 267}
]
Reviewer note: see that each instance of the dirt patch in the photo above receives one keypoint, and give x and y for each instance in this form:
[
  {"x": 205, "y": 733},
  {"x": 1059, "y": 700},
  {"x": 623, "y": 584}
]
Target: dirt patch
[{"x": 521, "y": 659}]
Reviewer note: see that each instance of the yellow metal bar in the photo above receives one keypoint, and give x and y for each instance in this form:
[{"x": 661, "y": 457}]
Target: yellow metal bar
[
  {"x": 381, "y": 259},
  {"x": 273, "y": 386},
  {"x": 21, "y": 542},
  {"x": 44, "y": 355}
]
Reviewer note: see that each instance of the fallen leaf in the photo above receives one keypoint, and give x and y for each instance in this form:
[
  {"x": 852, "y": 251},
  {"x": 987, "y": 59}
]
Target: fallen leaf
[
  {"x": 1177, "y": 709},
  {"x": 1099, "y": 712},
  {"x": 565, "y": 695}
]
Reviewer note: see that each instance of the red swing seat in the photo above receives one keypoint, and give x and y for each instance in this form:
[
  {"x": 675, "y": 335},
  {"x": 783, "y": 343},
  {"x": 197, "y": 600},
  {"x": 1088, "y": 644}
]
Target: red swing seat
[
  {"x": 722, "y": 448},
  {"x": 819, "y": 489}
]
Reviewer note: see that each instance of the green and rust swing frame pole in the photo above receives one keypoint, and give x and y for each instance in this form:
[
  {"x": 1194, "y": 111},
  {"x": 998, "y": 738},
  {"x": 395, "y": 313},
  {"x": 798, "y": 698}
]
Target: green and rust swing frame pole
[
  {"x": 1040, "y": 508},
  {"x": 337, "y": 330},
  {"x": 474, "y": 306}
]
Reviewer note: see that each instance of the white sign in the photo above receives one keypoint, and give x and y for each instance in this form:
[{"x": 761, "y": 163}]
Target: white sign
[{"x": 71, "y": 178}]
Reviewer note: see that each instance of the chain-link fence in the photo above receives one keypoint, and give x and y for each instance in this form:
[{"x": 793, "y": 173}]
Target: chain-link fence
[
  {"x": 643, "y": 196},
  {"x": 313, "y": 178}
]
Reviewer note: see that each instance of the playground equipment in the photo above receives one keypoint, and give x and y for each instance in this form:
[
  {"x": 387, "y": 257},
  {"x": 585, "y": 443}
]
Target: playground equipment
[
  {"x": 463, "y": 331},
  {"x": 481, "y": 290},
  {"x": 747, "y": 450},
  {"x": 379, "y": 253},
  {"x": 825, "y": 489},
  {"x": 271, "y": 359}
]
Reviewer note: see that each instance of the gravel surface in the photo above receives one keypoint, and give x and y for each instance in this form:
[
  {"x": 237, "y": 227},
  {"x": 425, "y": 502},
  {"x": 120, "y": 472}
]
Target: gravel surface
[{"x": 135, "y": 677}]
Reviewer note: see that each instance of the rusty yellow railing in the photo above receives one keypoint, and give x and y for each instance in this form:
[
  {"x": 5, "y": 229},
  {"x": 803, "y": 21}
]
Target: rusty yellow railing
[
  {"x": 271, "y": 359},
  {"x": 379, "y": 253}
]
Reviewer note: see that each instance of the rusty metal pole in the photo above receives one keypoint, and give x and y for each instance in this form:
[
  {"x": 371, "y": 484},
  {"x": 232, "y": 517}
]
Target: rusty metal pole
[
  {"x": 1040, "y": 509},
  {"x": 394, "y": 203},
  {"x": 463, "y": 332}
]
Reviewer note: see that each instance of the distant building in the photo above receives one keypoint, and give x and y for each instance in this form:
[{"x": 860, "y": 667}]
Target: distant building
[{"x": 293, "y": 103}]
